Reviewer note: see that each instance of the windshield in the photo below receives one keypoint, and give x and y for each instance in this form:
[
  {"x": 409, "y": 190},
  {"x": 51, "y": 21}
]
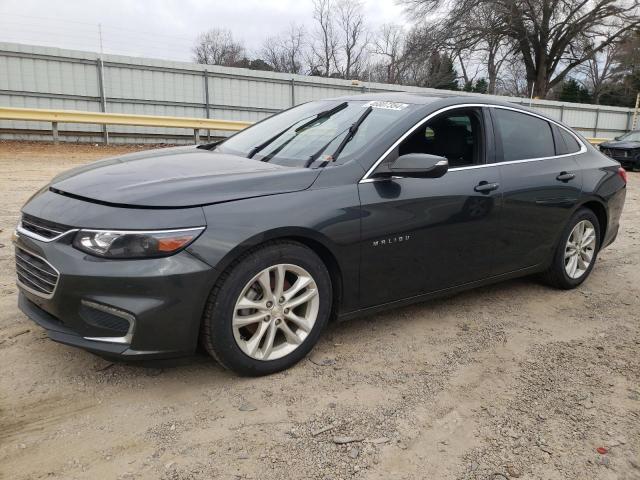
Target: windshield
[
  {"x": 631, "y": 137},
  {"x": 316, "y": 133}
]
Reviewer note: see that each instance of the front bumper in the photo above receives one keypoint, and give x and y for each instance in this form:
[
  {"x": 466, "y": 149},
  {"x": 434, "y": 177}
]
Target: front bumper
[
  {"x": 628, "y": 160},
  {"x": 160, "y": 299},
  {"x": 629, "y": 163}
]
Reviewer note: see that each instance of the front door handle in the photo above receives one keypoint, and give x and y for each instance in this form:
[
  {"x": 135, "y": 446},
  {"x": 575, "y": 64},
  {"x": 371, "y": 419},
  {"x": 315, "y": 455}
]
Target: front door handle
[
  {"x": 486, "y": 187},
  {"x": 566, "y": 176}
]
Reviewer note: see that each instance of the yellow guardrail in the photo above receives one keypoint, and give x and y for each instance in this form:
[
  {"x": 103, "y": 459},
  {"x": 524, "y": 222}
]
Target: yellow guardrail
[{"x": 100, "y": 118}]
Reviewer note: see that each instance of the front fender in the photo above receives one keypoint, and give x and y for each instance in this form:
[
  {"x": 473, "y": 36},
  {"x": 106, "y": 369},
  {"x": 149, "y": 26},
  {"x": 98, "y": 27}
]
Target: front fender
[{"x": 329, "y": 217}]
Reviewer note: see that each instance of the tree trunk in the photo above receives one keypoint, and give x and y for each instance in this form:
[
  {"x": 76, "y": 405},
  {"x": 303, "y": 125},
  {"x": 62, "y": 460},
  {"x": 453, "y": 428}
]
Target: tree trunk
[
  {"x": 492, "y": 73},
  {"x": 464, "y": 70},
  {"x": 540, "y": 80}
]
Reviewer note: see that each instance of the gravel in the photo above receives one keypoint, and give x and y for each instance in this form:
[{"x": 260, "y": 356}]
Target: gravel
[{"x": 514, "y": 380}]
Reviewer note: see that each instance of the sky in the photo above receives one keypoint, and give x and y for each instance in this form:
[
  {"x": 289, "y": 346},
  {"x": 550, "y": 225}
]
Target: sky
[{"x": 161, "y": 28}]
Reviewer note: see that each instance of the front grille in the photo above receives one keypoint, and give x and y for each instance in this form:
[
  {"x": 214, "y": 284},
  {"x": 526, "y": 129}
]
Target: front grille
[
  {"x": 616, "y": 153},
  {"x": 43, "y": 228},
  {"x": 35, "y": 274}
]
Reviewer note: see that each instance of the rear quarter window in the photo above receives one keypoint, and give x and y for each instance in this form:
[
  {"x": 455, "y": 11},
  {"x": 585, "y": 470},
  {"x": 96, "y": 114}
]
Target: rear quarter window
[
  {"x": 523, "y": 136},
  {"x": 570, "y": 142}
]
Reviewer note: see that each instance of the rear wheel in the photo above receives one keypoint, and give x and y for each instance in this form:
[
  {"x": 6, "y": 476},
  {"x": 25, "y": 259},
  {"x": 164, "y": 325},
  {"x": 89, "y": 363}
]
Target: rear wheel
[
  {"x": 268, "y": 309},
  {"x": 577, "y": 251}
]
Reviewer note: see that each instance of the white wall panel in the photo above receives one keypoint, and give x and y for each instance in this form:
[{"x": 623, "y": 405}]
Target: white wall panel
[{"x": 43, "y": 77}]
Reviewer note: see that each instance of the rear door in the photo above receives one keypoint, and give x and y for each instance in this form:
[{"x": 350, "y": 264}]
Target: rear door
[{"x": 541, "y": 183}]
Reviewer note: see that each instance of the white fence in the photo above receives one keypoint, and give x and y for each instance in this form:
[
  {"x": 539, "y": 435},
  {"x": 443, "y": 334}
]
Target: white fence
[{"x": 42, "y": 77}]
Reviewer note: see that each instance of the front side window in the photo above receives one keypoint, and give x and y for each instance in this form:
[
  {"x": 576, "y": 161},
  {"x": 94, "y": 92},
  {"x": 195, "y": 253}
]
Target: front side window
[
  {"x": 523, "y": 136},
  {"x": 456, "y": 135},
  {"x": 310, "y": 134}
]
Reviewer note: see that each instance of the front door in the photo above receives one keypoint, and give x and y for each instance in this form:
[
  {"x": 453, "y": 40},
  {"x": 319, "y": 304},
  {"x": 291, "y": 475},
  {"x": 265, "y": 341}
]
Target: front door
[{"x": 421, "y": 235}]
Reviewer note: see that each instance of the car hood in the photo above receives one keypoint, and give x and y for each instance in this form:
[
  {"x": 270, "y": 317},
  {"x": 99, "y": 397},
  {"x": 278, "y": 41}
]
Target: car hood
[
  {"x": 179, "y": 177},
  {"x": 621, "y": 144}
]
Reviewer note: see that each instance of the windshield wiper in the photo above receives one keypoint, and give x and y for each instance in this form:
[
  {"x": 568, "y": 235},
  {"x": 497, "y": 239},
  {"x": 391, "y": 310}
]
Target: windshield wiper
[
  {"x": 212, "y": 145},
  {"x": 353, "y": 129},
  {"x": 323, "y": 114},
  {"x": 314, "y": 157}
]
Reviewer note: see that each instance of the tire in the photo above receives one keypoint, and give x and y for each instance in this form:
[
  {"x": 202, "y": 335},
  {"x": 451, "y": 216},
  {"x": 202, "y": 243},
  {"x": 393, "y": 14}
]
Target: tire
[
  {"x": 235, "y": 347},
  {"x": 558, "y": 275}
]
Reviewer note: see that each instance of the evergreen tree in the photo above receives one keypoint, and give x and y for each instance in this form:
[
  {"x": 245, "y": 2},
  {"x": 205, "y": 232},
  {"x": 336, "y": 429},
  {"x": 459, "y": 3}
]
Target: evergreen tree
[
  {"x": 443, "y": 75},
  {"x": 481, "y": 86},
  {"x": 572, "y": 91}
]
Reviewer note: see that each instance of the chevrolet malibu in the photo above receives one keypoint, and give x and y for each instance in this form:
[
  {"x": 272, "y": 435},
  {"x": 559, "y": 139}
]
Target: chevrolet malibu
[{"x": 329, "y": 210}]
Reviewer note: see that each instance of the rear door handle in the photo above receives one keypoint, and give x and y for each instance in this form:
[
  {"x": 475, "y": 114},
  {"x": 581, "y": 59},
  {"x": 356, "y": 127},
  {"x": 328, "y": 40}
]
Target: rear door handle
[
  {"x": 566, "y": 176},
  {"x": 486, "y": 187}
]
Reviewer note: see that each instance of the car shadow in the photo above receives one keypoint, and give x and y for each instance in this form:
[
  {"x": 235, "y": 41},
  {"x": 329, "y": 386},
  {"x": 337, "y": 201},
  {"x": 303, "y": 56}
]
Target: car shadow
[{"x": 428, "y": 311}]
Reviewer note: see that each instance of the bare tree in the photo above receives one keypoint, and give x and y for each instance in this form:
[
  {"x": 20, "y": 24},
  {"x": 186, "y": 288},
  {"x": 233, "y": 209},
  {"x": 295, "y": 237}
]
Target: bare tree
[
  {"x": 389, "y": 46},
  {"x": 325, "y": 42},
  {"x": 493, "y": 45},
  {"x": 628, "y": 55},
  {"x": 217, "y": 47},
  {"x": 548, "y": 35},
  {"x": 353, "y": 38},
  {"x": 600, "y": 70},
  {"x": 513, "y": 80},
  {"x": 285, "y": 53}
]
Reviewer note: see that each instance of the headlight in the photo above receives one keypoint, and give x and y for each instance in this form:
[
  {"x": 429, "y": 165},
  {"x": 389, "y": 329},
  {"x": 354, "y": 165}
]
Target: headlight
[{"x": 134, "y": 244}]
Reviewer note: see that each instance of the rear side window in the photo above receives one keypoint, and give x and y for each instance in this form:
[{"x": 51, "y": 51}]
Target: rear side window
[
  {"x": 570, "y": 142},
  {"x": 523, "y": 136}
]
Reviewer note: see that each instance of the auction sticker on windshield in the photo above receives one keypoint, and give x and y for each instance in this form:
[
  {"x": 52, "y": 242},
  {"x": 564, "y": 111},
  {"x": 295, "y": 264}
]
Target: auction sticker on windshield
[{"x": 386, "y": 105}]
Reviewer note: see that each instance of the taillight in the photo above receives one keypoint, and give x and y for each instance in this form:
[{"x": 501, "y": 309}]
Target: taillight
[{"x": 623, "y": 174}]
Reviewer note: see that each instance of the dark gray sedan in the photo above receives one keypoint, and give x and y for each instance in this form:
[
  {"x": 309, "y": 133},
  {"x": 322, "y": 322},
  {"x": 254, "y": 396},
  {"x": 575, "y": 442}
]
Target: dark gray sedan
[
  {"x": 331, "y": 209},
  {"x": 625, "y": 149}
]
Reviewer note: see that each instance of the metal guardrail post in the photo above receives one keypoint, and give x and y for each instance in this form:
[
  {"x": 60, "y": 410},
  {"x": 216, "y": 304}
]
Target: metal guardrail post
[
  {"x": 561, "y": 113},
  {"x": 103, "y": 98},
  {"x": 196, "y": 135},
  {"x": 595, "y": 128},
  {"x": 54, "y": 131}
]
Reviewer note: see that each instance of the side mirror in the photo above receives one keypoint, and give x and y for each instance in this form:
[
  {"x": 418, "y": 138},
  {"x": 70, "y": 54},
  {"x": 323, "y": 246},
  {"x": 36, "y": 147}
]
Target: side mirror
[{"x": 419, "y": 165}]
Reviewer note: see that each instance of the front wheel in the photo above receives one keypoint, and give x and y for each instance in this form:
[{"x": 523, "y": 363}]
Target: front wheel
[
  {"x": 268, "y": 309},
  {"x": 577, "y": 251}
]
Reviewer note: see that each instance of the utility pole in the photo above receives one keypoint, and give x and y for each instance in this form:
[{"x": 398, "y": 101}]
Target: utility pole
[{"x": 634, "y": 123}]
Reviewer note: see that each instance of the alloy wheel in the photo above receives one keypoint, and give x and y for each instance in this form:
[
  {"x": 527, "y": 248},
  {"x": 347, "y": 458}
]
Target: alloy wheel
[
  {"x": 580, "y": 249},
  {"x": 275, "y": 312}
]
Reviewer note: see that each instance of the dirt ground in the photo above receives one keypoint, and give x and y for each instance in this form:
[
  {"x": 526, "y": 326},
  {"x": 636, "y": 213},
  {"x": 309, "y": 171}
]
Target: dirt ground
[{"x": 515, "y": 380}]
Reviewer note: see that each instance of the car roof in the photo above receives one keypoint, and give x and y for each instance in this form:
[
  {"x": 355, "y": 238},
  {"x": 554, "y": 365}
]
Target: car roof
[
  {"x": 403, "y": 97},
  {"x": 427, "y": 98},
  {"x": 439, "y": 100}
]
